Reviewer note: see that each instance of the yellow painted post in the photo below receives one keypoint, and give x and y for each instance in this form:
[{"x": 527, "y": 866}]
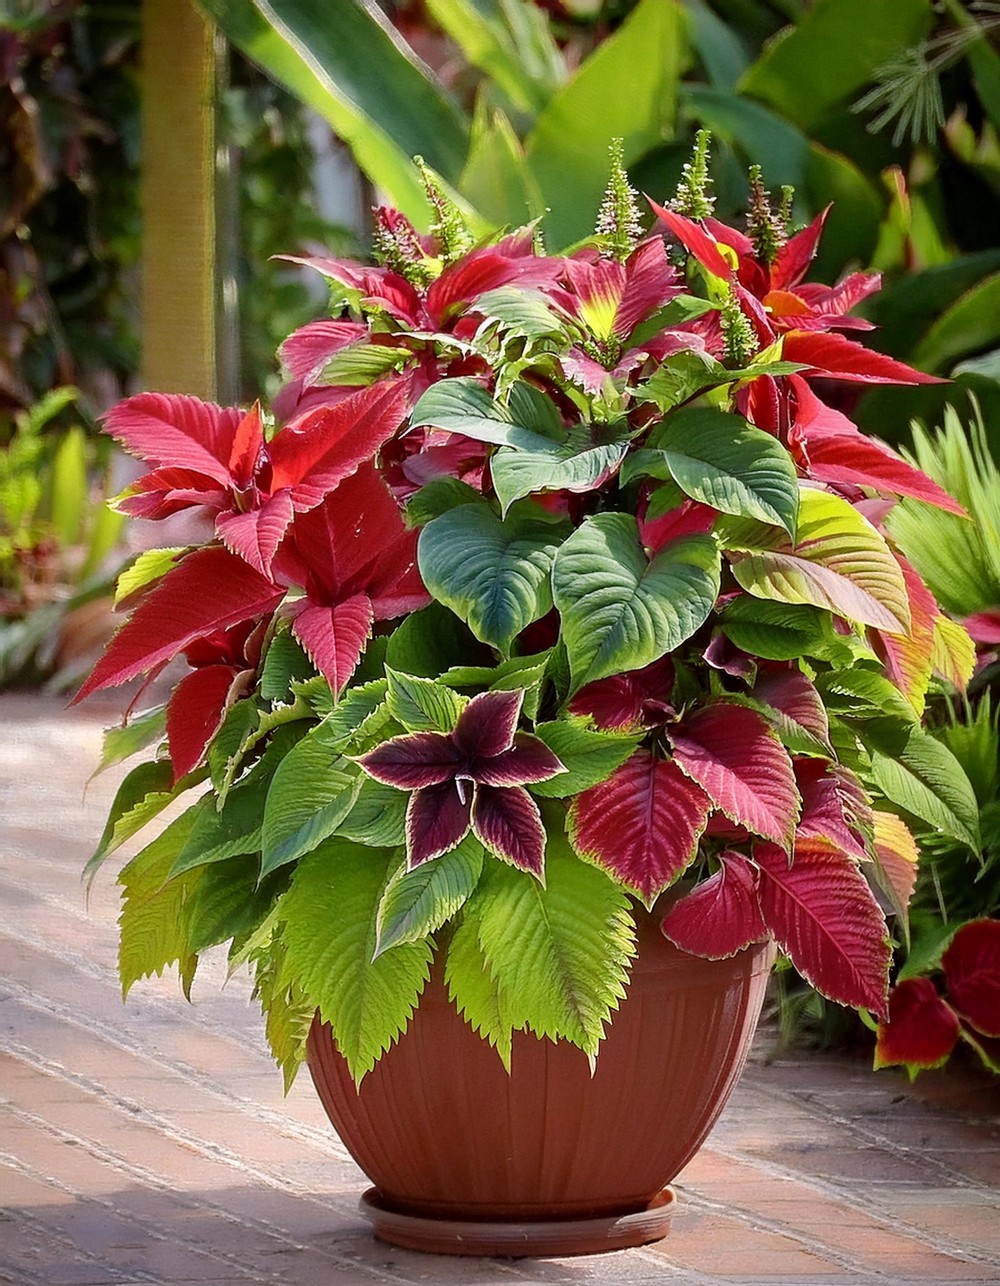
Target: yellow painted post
[{"x": 178, "y": 199}]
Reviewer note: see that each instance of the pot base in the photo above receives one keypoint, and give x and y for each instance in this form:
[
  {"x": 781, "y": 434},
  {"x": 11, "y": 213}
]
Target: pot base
[{"x": 441, "y": 1236}]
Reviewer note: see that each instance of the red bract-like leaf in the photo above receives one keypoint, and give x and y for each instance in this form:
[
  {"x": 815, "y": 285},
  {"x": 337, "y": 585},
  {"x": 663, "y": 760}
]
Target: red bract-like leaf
[
  {"x": 858, "y": 461},
  {"x": 824, "y": 916},
  {"x": 461, "y": 284},
  {"x": 737, "y": 759},
  {"x": 255, "y": 536},
  {"x": 167, "y": 491},
  {"x": 306, "y": 352},
  {"x": 623, "y": 700},
  {"x": 650, "y": 282},
  {"x": 335, "y": 636},
  {"x": 195, "y": 713},
  {"x": 208, "y": 590},
  {"x": 793, "y": 695},
  {"x": 721, "y": 916},
  {"x": 921, "y": 1030},
  {"x": 793, "y": 259},
  {"x": 690, "y": 518},
  {"x": 984, "y": 627},
  {"x": 506, "y": 819},
  {"x": 822, "y": 808},
  {"x": 437, "y": 817},
  {"x": 908, "y": 657},
  {"x": 176, "y": 430},
  {"x": 313, "y": 454},
  {"x": 972, "y": 967},
  {"x": 694, "y": 239},
  {"x": 642, "y": 824},
  {"x": 843, "y": 359},
  {"x": 413, "y": 761},
  {"x": 486, "y": 725}
]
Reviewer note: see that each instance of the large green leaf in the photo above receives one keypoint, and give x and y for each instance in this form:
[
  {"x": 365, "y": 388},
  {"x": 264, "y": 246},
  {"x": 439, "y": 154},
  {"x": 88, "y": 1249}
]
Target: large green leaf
[
  {"x": 145, "y": 792},
  {"x": 621, "y": 610},
  {"x": 585, "y": 460},
  {"x": 422, "y": 705},
  {"x": 722, "y": 461},
  {"x": 626, "y": 89},
  {"x": 487, "y": 42},
  {"x": 588, "y": 755},
  {"x": 492, "y": 573},
  {"x": 476, "y": 993},
  {"x": 226, "y": 904},
  {"x": 926, "y": 780},
  {"x": 330, "y": 917},
  {"x": 774, "y": 631},
  {"x": 344, "y": 60},
  {"x": 312, "y": 791},
  {"x": 463, "y": 406},
  {"x": 839, "y": 561},
  {"x": 560, "y": 953},
  {"x": 831, "y": 52},
  {"x": 496, "y": 178},
  {"x": 417, "y": 903},
  {"x": 968, "y": 326}
]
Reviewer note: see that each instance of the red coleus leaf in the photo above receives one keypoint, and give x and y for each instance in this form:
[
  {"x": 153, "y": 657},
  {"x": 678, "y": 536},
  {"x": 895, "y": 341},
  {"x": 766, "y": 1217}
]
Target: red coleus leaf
[
  {"x": 208, "y": 590},
  {"x": 695, "y": 239},
  {"x": 824, "y": 916},
  {"x": 651, "y": 281},
  {"x": 307, "y": 351},
  {"x": 176, "y": 430},
  {"x": 822, "y": 808},
  {"x": 735, "y": 756},
  {"x": 195, "y": 713},
  {"x": 334, "y": 636},
  {"x": 720, "y": 916},
  {"x": 984, "y": 627},
  {"x": 908, "y": 657},
  {"x": 972, "y": 967},
  {"x": 896, "y": 858},
  {"x": 507, "y": 820},
  {"x": 840, "y": 358},
  {"x": 920, "y": 1031},
  {"x": 642, "y": 824},
  {"x": 627, "y": 700},
  {"x": 792, "y": 694}
]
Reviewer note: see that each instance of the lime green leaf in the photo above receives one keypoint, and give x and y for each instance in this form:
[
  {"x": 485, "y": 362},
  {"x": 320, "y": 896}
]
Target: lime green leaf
[
  {"x": 492, "y": 573},
  {"x": 589, "y": 756},
  {"x": 684, "y": 374},
  {"x": 311, "y": 793},
  {"x": 141, "y": 731},
  {"x": 362, "y": 364},
  {"x": 146, "y": 791},
  {"x": 477, "y": 995},
  {"x": 520, "y": 312},
  {"x": 146, "y": 568},
  {"x": 422, "y": 705},
  {"x": 330, "y": 927},
  {"x": 722, "y": 461},
  {"x": 378, "y": 816},
  {"x": 284, "y": 664},
  {"x": 226, "y": 904},
  {"x": 437, "y": 497},
  {"x": 865, "y": 691},
  {"x": 288, "y": 1016},
  {"x": 525, "y": 672},
  {"x": 231, "y": 743},
  {"x": 231, "y": 832},
  {"x": 620, "y": 610},
  {"x": 417, "y": 903},
  {"x": 361, "y": 712},
  {"x": 926, "y": 780}
]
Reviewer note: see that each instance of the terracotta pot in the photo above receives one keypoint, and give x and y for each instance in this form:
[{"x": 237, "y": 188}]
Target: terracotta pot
[{"x": 548, "y": 1160}]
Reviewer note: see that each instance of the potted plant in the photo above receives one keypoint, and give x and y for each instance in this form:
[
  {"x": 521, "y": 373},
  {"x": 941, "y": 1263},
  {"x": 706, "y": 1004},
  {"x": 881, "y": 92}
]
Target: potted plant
[{"x": 547, "y": 664}]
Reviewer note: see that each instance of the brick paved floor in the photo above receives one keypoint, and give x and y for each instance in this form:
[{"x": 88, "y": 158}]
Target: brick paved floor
[{"x": 151, "y": 1144}]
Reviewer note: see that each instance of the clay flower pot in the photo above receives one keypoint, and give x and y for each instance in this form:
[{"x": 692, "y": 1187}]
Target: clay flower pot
[{"x": 549, "y": 1160}]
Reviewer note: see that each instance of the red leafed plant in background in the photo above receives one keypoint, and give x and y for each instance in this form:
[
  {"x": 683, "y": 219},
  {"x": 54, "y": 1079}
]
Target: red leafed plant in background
[{"x": 549, "y": 585}]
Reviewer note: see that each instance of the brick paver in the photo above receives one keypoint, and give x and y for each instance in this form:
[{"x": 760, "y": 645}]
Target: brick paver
[{"x": 151, "y": 1143}]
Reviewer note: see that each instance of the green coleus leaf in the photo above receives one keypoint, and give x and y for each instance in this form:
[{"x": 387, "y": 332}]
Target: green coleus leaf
[
  {"x": 722, "y": 461},
  {"x": 560, "y": 953},
  {"x": 361, "y": 712},
  {"x": 682, "y": 375},
  {"x": 417, "y": 903},
  {"x": 232, "y": 741},
  {"x": 589, "y": 756},
  {"x": 226, "y": 904},
  {"x": 525, "y": 672},
  {"x": 287, "y": 1014},
  {"x": 864, "y": 691},
  {"x": 144, "y": 793},
  {"x": 141, "y": 731},
  {"x": 462, "y": 405},
  {"x": 582, "y": 463},
  {"x": 774, "y": 631},
  {"x": 147, "y": 567},
  {"x": 519, "y": 313},
  {"x": 377, "y": 817},
  {"x": 312, "y": 791},
  {"x": 620, "y": 609},
  {"x": 838, "y": 561},
  {"x": 479, "y": 997},
  {"x": 493, "y": 573},
  {"x": 330, "y": 917},
  {"x": 422, "y": 705},
  {"x": 925, "y": 779},
  {"x": 285, "y": 663}
]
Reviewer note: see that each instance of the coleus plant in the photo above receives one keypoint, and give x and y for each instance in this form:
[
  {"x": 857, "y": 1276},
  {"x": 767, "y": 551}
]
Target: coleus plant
[{"x": 555, "y": 587}]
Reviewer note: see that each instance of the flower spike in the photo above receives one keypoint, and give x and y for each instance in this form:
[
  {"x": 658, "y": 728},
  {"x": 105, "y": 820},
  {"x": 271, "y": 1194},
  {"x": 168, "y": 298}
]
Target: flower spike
[
  {"x": 737, "y": 332},
  {"x": 765, "y": 227},
  {"x": 618, "y": 221},
  {"x": 396, "y": 246},
  {"x": 449, "y": 227},
  {"x": 693, "y": 197}
]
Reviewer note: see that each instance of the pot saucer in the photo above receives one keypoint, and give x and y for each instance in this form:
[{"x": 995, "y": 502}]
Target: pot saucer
[{"x": 552, "y": 1237}]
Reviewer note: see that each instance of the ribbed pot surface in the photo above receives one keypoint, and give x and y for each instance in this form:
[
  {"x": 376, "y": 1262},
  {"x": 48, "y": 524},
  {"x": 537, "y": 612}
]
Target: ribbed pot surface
[{"x": 443, "y": 1131}]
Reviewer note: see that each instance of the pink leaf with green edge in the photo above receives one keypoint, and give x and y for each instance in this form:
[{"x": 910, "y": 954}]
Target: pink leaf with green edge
[
  {"x": 920, "y": 1031},
  {"x": 323, "y": 447},
  {"x": 822, "y": 808},
  {"x": 972, "y": 967},
  {"x": 195, "y": 713},
  {"x": 722, "y": 915},
  {"x": 437, "y": 818},
  {"x": 177, "y": 430},
  {"x": 307, "y": 351},
  {"x": 793, "y": 696},
  {"x": 413, "y": 761},
  {"x": 210, "y": 589},
  {"x": 624, "y": 700},
  {"x": 839, "y": 358},
  {"x": 735, "y": 756},
  {"x": 984, "y": 627},
  {"x": 527, "y": 761},
  {"x": 694, "y": 239},
  {"x": 839, "y": 562},
  {"x": 255, "y": 535},
  {"x": 642, "y": 824},
  {"x": 793, "y": 259},
  {"x": 908, "y": 658},
  {"x": 825, "y": 918},
  {"x": 487, "y": 724},
  {"x": 507, "y": 820},
  {"x": 896, "y": 858},
  {"x": 482, "y": 270},
  {"x": 335, "y": 636}
]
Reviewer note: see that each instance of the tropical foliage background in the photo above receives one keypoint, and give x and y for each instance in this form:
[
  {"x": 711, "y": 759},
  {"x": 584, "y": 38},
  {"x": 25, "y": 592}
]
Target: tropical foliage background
[{"x": 889, "y": 109}]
